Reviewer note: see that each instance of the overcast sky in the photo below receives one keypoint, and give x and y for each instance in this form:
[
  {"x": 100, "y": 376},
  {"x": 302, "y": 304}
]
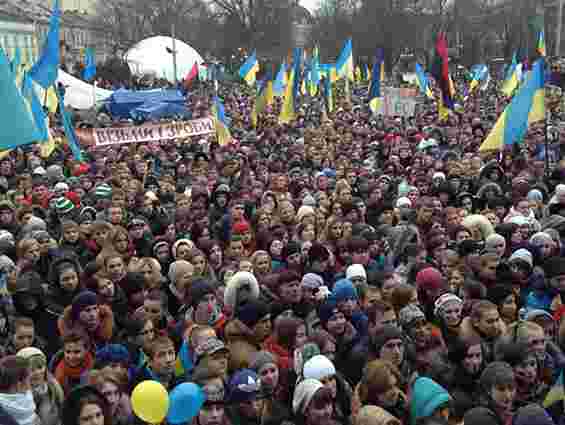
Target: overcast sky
[{"x": 310, "y": 4}]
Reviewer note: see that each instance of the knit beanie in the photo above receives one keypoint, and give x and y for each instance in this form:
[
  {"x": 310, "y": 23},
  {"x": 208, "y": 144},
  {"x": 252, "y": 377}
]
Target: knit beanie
[
  {"x": 496, "y": 373},
  {"x": 112, "y": 353},
  {"x": 308, "y": 351},
  {"x": 199, "y": 289},
  {"x": 309, "y": 201},
  {"x": 373, "y": 415},
  {"x": 261, "y": 359},
  {"x": 356, "y": 270},
  {"x": 312, "y": 281},
  {"x": 344, "y": 290},
  {"x": 427, "y": 396},
  {"x": 532, "y": 414},
  {"x": 64, "y": 205},
  {"x": 303, "y": 211},
  {"x": 252, "y": 312},
  {"x": 318, "y": 367},
  {"x": 442, "y": 302},
  {"x": 523, "y": 255},
  {"x": 492, "y": 241},
  {"x": 326, "y": 310},
  {"x": 37, "y": 359},
  {"x": 303, "y": 394},
  {"x": 81, "y": 301},
  {"x": 540, "y": 238},
  {"x": 480, "y": 416},
  {"x": 387, "y": 333},
  {"x": 103, "y": 191},
  {"x": 429, "y": 278},
  {"x": 179, "y": 268},
  {"x": 240, "y": 227},
  {"x": 409, "y": 314}
]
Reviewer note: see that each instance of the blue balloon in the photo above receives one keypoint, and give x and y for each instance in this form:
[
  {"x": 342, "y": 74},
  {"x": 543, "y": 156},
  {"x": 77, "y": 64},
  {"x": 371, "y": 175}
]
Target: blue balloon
[{"x": 186, "y": 400}]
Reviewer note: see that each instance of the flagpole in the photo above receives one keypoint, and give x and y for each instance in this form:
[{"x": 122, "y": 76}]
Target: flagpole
[
  {"x": 174, "y": 53},
  {"x": 559, "y": 28},
  {"x": 546, "y": 141}
]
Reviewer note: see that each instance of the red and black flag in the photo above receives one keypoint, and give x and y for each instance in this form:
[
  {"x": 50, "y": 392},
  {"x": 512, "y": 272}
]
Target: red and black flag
[{"x": 440, "y": 70}]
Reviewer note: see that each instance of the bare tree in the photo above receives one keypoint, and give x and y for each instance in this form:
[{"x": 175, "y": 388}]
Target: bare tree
[
  {"x": 129, "y": 21},
  {"x": 264, "y": 25}
]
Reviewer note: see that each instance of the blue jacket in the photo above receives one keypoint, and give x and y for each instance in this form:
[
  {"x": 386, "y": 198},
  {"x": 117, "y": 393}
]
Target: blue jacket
[{"x": 427, "y": 397}]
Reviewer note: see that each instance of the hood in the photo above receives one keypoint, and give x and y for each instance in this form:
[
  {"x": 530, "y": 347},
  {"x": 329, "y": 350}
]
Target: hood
[
  {"x": 104, "y": 332},
  {"x": 235, "y": 283},
  {"x": 427, "y": 396}
]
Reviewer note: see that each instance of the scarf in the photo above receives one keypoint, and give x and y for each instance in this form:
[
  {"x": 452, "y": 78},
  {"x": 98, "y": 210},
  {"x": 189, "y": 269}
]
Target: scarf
[
  {"x": 21, "y": 407},
  {"x": 66, "y": 374}
]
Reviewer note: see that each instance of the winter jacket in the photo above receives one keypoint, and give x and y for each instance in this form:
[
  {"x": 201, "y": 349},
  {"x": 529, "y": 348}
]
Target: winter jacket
[
  {"x": 102, "y": 336},
  {"x": 427, "y": 397}
]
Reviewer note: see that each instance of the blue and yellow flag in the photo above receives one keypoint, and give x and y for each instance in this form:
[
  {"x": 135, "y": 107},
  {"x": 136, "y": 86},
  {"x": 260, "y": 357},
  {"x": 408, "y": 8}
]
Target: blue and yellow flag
[
  {"x": 16, "y": 121},
  {"x": 423, "y": 82},
  {"x": 264, "y": 98},
  {"x": 375, "y": 88},
  {"x": 479, "y": 74},
  {"x": 527, "y": 106},
  {"x": 44, "y": 72},
  {"x": 222, "y": 130},
  {"x": 287, "y": 110},
  {"x": 328, "y": 95},
  {"x": 280, "y": 80},
  {"x": 29, "y": 94},
  {"x": 89, "y": 65},
  {"x": 513, "y": 77},
  {"x": 16, "y": 61},
  {"x": 344, "y": 62},
  {"x": 69, "y": 129},
  {"x": 248, "y": 71}
]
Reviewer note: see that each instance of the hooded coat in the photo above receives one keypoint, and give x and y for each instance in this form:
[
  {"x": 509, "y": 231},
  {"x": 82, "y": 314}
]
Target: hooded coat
[
  {"x": 102, "y": 336},
  {"x": 427, "y": 397}
]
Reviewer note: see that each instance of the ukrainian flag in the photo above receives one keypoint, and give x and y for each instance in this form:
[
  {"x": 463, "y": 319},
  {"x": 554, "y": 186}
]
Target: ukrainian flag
[
  {"x": 375, "y": 99},
  {"x": 287, "y": 110},
  {"x": 222, "y": 130},
  {"x": 423, "y": 82},
  {"x": 556, "y": 393},
  {"x": 541, "y": 43},
  {"x": 480, "y": 73},
  {"x": 280, "y": 80},
  {"x": 328, "y": 95},
  {"x": 249, "y": 69},
  {"x": 344, "y": 63},
  {"x": 264, "y": 99},
  {"x": 512, "y": 79},
  {"x": 527, "y": 106}
]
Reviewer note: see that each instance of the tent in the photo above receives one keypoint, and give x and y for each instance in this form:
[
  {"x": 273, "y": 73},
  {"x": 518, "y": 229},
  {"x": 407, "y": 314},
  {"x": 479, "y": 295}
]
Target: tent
[
  {"x": 81, "y": 95},
  {"x": 153, "y": 56},
  {"x": 158, "y": 110},
  {"x": 122, "y": 102}
]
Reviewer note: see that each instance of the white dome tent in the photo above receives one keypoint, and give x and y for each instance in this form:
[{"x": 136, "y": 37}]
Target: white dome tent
[{"x": 151, "y": 57}]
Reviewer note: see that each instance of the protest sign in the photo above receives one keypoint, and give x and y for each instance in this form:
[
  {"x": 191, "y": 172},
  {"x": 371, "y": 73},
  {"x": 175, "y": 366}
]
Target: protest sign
[{"x": 145, "y": 133}]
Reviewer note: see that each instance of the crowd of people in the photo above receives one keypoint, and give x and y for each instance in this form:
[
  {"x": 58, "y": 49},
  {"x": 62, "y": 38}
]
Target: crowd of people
[{"x": 344, "y": 268}]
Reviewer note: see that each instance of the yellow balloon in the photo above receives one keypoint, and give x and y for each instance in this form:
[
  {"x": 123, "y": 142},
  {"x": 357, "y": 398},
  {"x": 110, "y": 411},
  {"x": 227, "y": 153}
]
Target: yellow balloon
[{"x": 150, "y": 401}]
